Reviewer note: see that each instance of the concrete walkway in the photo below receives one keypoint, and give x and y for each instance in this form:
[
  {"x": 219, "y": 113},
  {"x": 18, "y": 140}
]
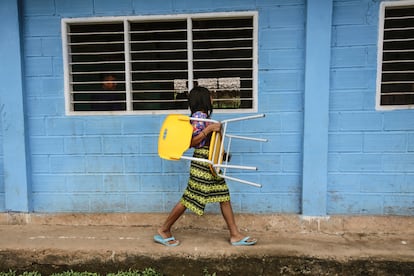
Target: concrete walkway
[{"x": 288, "y": 245}]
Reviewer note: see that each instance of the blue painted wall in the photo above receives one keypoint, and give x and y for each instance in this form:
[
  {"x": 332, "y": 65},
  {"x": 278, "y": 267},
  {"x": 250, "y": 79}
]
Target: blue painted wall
[
  {"x": 2, "y": 197},
  {"x": 371, "y": 158},
  {"x": 110, "y": 164},
  {"x": 16, "y": 178}
]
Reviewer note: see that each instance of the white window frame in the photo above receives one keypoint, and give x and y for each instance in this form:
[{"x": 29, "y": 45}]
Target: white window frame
[
  {"x": 125, "y": 19},
  {"x": 383, "y": 6}
]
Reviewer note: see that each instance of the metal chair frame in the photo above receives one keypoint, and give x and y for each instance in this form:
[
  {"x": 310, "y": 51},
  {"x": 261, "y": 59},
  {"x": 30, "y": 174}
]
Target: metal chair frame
[{"x": 175, "y": 138}]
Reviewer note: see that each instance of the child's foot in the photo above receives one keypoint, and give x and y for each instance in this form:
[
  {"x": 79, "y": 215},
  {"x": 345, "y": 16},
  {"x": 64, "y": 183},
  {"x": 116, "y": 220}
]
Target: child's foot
[
  {"x": 167, "y": 242},
  {"x": 243, "y": 241},
  {"x": 166, "y": 238}
]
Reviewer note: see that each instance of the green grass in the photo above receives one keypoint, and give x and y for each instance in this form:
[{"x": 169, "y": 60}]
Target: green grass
[
  {"x": 145, "y": 272},
  {"x": 13, "y": 273}
]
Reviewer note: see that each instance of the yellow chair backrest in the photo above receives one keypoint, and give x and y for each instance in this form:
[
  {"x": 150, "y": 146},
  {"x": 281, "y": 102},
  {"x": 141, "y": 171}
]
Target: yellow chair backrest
[{"x": 175, "y": 137}]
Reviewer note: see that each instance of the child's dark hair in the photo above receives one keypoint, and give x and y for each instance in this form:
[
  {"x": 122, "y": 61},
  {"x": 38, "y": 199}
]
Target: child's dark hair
[{"x": 199, "y": 100}]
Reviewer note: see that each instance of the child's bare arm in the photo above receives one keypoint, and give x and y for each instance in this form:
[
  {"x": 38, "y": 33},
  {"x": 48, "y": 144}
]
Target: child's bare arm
[{"x": 204, "y": 133}]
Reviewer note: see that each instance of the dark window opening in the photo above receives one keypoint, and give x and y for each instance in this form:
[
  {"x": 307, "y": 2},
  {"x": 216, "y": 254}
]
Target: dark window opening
[
  {"x": 397, "y": 75},
  {"x": 147, "y": 65}
]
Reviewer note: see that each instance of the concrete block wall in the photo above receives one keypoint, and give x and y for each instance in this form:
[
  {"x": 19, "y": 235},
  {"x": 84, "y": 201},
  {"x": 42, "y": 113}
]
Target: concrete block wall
[
  {"x": 110, "y": 163},
  {"x": 281, "y": 67},
  {"x": 2, "y": 196},
  {"x": 370, "y": 152}
]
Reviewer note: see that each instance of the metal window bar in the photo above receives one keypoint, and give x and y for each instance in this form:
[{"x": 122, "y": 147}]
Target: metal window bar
[
  {"x": 399, "y": 40},
  {"x": 222, "y": 49},
  {"x": 223, "y": 40},
  {"x": 399, "y": 93},
  {"x": 399, "y": 18},
  {"x": 222, "y": 29},
  {"x": 128, "y": 78},
  {"x": 158, "y": 31},
  {"x": 158, "y": 51}
]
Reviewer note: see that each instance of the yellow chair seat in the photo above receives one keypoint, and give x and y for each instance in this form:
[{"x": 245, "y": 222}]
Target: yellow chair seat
[{"x": 175, "y": 137}]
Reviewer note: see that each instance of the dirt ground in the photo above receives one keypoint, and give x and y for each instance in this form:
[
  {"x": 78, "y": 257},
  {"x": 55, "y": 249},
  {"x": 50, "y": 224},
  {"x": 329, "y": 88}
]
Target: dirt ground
[{"x": 287, "y": 245}]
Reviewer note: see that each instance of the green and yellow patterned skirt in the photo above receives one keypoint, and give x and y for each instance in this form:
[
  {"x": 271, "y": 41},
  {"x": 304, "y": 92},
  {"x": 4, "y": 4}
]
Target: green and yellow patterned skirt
[{"x": 203, "y": 187}]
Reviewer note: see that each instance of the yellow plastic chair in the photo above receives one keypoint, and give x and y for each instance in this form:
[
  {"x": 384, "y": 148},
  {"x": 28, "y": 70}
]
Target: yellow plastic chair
[{"x": 175, "y": 138}]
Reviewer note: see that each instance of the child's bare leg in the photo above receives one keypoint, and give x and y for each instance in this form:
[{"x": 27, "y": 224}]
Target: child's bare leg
[
  {"x": 228, "y": 215},
  {"x": 175, "y": 214}
]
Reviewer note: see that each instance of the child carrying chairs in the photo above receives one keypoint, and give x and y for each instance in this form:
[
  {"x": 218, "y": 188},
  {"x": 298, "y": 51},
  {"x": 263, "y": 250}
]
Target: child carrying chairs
[{"x": 175, "y": 138}]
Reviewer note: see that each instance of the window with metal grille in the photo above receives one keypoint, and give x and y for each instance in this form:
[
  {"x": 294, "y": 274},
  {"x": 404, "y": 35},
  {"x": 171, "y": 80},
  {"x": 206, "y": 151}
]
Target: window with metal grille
[
  {"x": 395, "y": 80},
  {"x": 148, "y": 64}
]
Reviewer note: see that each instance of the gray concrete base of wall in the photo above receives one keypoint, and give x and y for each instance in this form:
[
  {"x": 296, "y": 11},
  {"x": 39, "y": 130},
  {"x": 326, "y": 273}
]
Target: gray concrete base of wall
[
  {"x": 253, "y": 222},
  {"x": 287, "y": 244}
]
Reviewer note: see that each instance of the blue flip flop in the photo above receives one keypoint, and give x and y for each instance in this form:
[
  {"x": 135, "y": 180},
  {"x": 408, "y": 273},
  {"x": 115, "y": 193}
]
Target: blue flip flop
[
  {"x": 166, "y": 242},
  {"x": 244, "y": 241}
]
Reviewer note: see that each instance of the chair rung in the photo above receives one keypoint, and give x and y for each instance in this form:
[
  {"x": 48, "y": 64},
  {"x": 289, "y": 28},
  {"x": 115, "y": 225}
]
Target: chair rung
[
  {"x": 235, "y": 167},
  {"x": 246, "y": 138},
  {"x": 241, "y": 181}
]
